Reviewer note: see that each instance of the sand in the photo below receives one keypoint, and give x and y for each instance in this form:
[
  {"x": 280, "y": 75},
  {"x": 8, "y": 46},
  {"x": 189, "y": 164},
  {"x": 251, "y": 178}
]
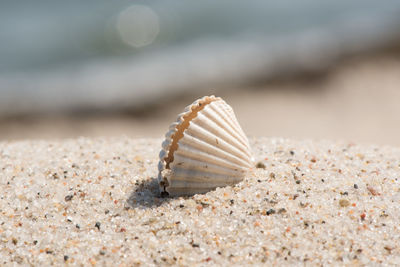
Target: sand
[{"x": 96, "y": 202}]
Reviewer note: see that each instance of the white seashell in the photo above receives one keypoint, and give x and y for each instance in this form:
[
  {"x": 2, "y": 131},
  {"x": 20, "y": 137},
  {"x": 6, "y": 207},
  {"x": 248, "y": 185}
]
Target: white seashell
[{"x": 204, "y": 149}]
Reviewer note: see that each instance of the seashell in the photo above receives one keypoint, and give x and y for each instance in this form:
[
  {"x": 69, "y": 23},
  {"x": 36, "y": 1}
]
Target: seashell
[{"x": 204, "y": 149}]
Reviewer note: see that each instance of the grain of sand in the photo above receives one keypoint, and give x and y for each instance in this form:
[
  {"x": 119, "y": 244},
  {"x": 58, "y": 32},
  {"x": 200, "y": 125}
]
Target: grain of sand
[{"x": 96, "y": 202}]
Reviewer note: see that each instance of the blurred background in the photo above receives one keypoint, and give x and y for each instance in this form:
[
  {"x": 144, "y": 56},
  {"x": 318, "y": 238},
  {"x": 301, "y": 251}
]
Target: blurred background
[{"x": 298, "y": 69}]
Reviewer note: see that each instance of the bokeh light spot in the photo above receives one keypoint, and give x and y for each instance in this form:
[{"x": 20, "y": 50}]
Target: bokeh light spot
[{"x": 138, "y": 25}]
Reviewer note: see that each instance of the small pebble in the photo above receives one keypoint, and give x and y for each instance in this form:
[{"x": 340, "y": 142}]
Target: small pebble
[
  {"x": 282, "y": 210},
  {"x": 260, "y": 165},
  {"x": 344, "y": 203},
  {"x": 270, "y": 211},
  {"x": 373, "y": 191}
]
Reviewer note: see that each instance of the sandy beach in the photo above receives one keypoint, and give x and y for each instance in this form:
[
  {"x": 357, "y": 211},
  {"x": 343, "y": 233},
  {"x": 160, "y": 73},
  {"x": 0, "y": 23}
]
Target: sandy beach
[
  {"x": 88, "y": 90},
  {"x": 95, "y": 201}
]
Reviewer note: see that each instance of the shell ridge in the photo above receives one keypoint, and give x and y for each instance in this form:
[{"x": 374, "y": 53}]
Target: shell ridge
[
  {"x": 223, "y": 108},
  {"x": 187, "y": 163},
  {"x": 193, "y": 141},
  {"x": 229, "y": 111},
  {"x": 202, "y": 180},
  {"x": 182, "y": 184},
  {"x": 184, "y": 191},
  {"x": 220, "y": 109},
  {"x": 201, "y": 177},
  {"x": 217, "y": 119},
  {"x": 194, "y": 153},
  {"x": 209, "y": 125},
  {"x": 214, "y": 140}
]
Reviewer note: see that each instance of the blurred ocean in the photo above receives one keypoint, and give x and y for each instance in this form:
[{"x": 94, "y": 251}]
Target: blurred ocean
[{"x": 58, "y": 56}]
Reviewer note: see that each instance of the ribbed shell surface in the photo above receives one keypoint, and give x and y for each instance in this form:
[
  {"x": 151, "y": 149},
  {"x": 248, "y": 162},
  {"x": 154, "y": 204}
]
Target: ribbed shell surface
[{"x": 213, "y": 151}]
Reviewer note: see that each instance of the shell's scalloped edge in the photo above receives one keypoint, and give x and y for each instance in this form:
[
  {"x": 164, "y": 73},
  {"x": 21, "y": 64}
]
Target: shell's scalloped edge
[{"x": 173, "y": 127}]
